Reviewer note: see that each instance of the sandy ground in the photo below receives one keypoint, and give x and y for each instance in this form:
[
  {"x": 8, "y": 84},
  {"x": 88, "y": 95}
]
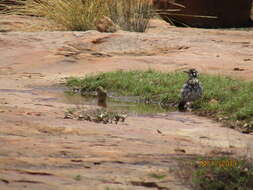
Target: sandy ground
[{"x": 40, "y": 149}]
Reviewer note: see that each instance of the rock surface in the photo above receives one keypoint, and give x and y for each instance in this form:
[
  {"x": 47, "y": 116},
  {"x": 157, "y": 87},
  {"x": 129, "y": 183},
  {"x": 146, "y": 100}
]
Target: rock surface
[
  {"x": 41, "y": 150},
  {"x": 208, "y": 13}
]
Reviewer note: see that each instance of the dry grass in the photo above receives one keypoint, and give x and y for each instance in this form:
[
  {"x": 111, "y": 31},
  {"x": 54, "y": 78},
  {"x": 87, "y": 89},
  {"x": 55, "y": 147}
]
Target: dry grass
[
  {"x": 131, "y": 15},
  {"x": 81, "y": 15},
  {"x": 7, "y": 5},
  {"x": 75, "y": 15}
]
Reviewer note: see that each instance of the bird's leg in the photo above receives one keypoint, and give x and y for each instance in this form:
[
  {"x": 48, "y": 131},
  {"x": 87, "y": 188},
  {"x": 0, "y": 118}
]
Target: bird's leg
[
  {"x": 182, "y": 106},
  {"x": 189, "y": 106}
]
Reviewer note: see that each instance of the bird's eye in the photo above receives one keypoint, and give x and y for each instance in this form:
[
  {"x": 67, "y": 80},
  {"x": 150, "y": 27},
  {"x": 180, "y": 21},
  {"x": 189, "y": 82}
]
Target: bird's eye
[{"x": 194, "y": 74}]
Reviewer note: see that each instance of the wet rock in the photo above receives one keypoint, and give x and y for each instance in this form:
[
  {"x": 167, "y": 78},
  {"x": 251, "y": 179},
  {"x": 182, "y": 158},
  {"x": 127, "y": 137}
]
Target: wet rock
[{"x": 99, "y": 115}]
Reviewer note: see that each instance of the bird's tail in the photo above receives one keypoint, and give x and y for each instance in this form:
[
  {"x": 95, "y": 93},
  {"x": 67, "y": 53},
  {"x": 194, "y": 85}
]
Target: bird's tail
[{"x": 181, "y": 105}]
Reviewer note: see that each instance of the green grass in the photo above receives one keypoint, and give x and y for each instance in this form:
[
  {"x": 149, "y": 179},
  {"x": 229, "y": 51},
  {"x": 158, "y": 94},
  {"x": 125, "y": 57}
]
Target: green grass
[
  {"x": 78, "y": 177},
  {"x": 224, "y": 98},
  {"x": 157, "y": 176},
  {"x": 216, "y": 173},
  {"x": 224, "y": 173}
]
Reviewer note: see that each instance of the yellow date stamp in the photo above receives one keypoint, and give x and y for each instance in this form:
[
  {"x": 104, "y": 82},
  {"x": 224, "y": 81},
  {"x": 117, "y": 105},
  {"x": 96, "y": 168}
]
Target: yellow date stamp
[{"x": 218, "y": 163}]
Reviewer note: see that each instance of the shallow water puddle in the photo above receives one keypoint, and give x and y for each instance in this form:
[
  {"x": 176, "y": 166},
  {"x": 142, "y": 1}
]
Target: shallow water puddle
[
  {"x": 126, "y": 104},
  {"x": 116, "y": 103},
  {"x": 16, "y": 91}
]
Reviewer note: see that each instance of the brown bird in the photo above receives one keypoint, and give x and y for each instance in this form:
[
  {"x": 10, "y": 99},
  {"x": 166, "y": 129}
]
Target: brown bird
[{"x": 101, "y": 95}]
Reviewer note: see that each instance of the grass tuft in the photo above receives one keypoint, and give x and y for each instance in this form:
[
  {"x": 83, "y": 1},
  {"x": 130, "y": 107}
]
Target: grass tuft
[
  {"x": 78, "y": 177},
  {"x": 157, "y": 176},
  {"x": 81, "y": 15},
  {"x": 77, "y": 15},
  {"x": 216, "y": 173},
  {"x": 131, "y": 15},
  {"x": 224, "y": 99},
  {"x": 223, "y": 173}
]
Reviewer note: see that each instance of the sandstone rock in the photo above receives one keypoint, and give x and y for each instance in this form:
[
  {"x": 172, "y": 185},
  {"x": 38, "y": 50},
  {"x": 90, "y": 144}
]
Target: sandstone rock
[
  {"x": 224, "y": 13},
  {"x": 105, "y": 24},
  {"x": 48, "y": 152}
]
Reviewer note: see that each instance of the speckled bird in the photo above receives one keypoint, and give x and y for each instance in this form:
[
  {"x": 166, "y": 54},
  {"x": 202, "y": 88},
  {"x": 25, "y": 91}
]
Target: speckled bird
[{"x": 191, "y": 91}]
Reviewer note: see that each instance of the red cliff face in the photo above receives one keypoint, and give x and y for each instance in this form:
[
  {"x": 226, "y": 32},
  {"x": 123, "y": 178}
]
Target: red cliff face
[{"x": 225, "y": 13}]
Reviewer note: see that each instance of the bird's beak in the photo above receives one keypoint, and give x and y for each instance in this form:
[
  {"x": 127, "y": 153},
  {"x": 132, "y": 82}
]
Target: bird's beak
[{"x": 186, "y": 72}]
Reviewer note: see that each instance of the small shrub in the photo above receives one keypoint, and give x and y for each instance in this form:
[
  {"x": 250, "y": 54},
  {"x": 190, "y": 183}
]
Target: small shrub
[
  {"x": 216, "y": 173},
  {"x": 224, "y": 177}
]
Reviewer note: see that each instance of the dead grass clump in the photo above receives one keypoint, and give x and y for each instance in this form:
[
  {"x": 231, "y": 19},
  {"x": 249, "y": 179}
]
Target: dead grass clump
[
  {"x": 7, "y": 5},
  {"x": 74, "y": 15},
  {"x": 81, "y": 15},
  {"x": 131, "y": 15}
]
